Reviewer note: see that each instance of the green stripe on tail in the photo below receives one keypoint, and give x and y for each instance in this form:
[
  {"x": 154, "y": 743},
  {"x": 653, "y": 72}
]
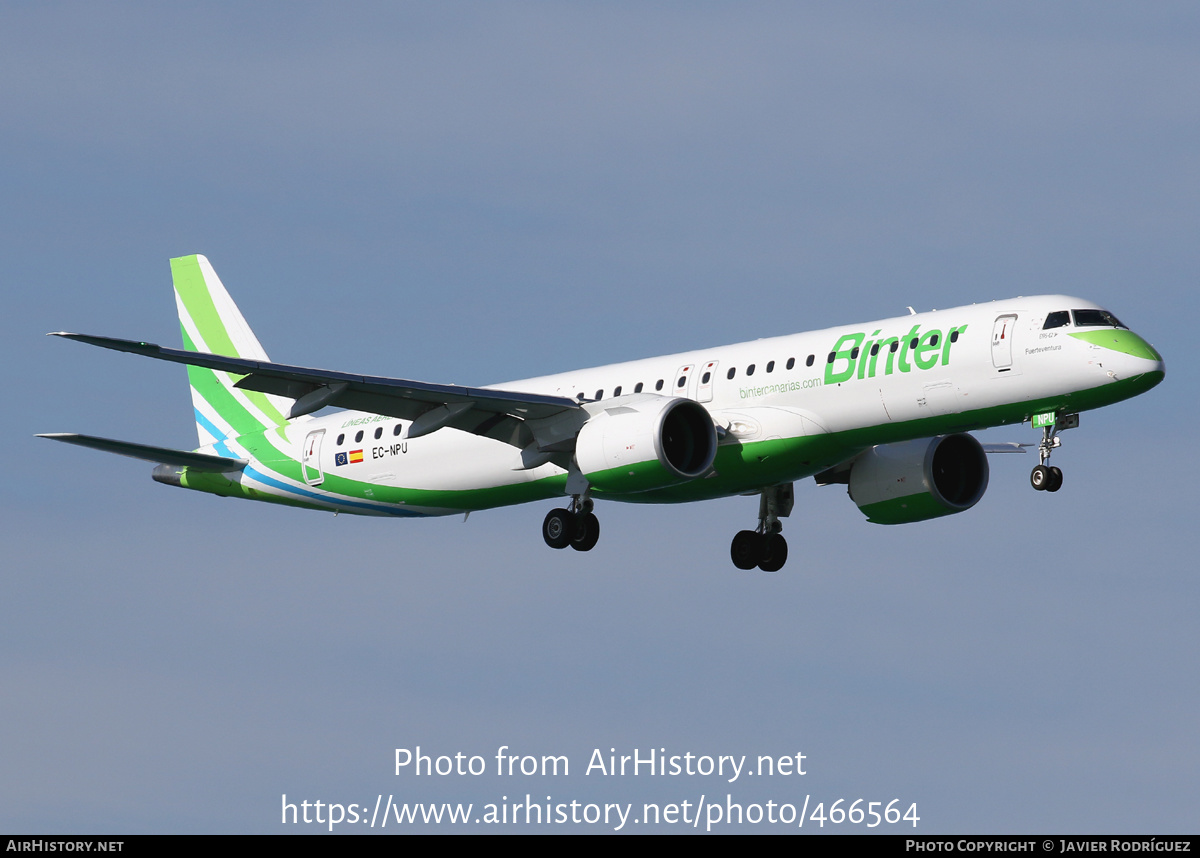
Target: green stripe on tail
[{"x": 211, "y": 322}]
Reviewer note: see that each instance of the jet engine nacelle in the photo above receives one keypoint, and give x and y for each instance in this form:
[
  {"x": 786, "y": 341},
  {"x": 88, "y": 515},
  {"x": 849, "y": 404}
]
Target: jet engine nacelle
[
  {"x": 919, "y": 480},
  {"x": 643, "y": 442}
]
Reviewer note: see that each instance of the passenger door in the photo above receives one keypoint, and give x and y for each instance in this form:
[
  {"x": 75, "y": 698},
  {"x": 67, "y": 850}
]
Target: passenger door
[
  {"x": 310, "y": 458},
  {"x": 1002, "y": 337}
]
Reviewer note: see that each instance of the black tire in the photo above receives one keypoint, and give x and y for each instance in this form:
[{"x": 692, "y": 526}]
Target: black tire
[
  {"x": 774, "y": 553},
  {"x": 746, "y": 549},
  {"x": 558, "y": 528},
  {"x": 587, "y": 532},
  {"x": 1039, "y": 477},
  {"x": 1056, "y": 480}
]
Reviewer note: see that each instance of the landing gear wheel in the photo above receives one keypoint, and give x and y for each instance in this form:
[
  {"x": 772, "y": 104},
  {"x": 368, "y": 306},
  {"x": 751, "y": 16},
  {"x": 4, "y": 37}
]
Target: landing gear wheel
[
  {"x": 774, "y": 553},
  {"x": 1055, "y": 481},
  {"x": 1040, "y": 478},
  {"x": 746, "y": 549},
  {"x": 559, "y": 527},
  {"x": 587, "y": 532}
]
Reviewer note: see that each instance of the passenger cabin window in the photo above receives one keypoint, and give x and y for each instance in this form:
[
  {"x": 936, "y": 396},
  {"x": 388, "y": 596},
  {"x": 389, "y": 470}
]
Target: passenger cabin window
[
  {"x": 770, "y": 366},
  {"x": 954, "y": 336},
  {"x": 707, "y": 377},
  {"x": 397, "y": 429},
  {"x": 750, "y": 370},
  {"x": 810, "y": 360},
  {"x": 792, "y": 362},
  {"x": 637, "y": 388},
  {"x": 617, "y": 390},
  {"x": 732, "y": 372},
  {"x": 599, "y": 395},
  {"x": 682, "y": 381},
  {"x": 358, "y": 436},
  {"x": 1059, "y": 319},
  {"x": 658, "y": 384},
  {"x": 1095, "y": 319},
  {"x": 378, "y": 432},
  {"x": 341, "y": 438}
]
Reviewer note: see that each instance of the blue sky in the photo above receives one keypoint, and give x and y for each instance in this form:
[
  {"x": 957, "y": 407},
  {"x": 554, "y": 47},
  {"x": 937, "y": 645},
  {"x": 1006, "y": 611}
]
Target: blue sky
[{"x": 471, "y": 193}]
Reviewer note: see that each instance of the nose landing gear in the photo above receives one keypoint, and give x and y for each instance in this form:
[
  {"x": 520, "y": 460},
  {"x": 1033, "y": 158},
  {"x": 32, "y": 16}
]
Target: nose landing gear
[
  {"x": 1045, "y": 477},
  {"x": 765, "y": 547}
]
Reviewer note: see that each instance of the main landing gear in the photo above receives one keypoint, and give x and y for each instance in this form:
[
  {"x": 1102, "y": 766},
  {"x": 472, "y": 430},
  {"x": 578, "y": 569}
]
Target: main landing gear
[
  {"x": 577, "y": 527},
  {"x": 1045, "y": 478},
  {"x": 765, "y": 546}
]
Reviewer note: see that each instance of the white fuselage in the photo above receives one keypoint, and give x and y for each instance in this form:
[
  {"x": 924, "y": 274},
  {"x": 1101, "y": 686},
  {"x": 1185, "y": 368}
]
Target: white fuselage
[{"x": 871, "y": 383}]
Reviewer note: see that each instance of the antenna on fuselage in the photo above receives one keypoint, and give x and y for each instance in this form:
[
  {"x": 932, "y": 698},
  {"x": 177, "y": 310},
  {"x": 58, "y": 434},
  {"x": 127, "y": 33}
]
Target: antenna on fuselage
[{"x": 911, "y": 311}]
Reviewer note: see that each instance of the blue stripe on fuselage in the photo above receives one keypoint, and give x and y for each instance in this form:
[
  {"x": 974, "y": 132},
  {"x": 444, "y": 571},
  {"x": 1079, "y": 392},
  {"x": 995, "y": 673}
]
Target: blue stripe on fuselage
[{"x": 333, "y": 500}]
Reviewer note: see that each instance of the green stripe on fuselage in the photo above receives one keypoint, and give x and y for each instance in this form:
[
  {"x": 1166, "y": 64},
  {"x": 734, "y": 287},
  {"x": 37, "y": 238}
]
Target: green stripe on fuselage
[
  {"x": 749, "y": 466},
  {"x": 738, "y": 468}
]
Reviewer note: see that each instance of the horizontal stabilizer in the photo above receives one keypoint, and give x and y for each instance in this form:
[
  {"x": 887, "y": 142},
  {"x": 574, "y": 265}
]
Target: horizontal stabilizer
[{"x": 181, "y": 458}]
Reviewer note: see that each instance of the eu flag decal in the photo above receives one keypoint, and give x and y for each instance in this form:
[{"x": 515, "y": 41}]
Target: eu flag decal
[{"x": 339, "y": 459}]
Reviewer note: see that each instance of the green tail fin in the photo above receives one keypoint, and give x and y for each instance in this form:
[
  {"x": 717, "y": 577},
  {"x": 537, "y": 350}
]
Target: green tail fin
[{"x": 211, "y": 322}]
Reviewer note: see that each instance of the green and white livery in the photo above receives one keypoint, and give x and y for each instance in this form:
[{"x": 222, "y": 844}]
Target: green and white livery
[
  {"x": 882, "y": 407},
  {"x": 211, "y": 322}
]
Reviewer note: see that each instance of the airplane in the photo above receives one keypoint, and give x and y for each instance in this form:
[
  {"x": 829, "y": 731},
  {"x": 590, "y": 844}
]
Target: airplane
[{"x": 883, "y": 408}]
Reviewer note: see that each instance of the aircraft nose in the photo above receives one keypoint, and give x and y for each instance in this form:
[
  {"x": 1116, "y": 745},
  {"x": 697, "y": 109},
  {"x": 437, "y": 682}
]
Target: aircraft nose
[
  {"x": 1126, "y": 357},
  {"x": 1134, "y": 358},
  {"x": 1146, "y": 357}
]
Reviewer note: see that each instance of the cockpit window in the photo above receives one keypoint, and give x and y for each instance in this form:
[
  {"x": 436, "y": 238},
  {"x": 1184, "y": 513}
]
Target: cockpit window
[
  {"x": 1096, "y": 319},
  {"x": 1059, "y": 319}
]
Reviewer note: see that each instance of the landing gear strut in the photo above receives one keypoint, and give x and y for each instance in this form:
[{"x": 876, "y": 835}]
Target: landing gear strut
[
  {"x": 1044, "y": 477},
  {"x": 577, "y": 527},
  {"x": 765, "y": 546}
]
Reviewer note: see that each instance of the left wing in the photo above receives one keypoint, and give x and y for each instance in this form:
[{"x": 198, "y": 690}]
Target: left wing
[{"x": 498, "y": 414}]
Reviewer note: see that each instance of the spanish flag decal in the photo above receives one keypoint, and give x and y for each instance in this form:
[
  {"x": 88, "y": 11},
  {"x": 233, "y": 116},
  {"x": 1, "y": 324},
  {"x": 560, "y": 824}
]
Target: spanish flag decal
[{"x": 355, "y": 456}]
